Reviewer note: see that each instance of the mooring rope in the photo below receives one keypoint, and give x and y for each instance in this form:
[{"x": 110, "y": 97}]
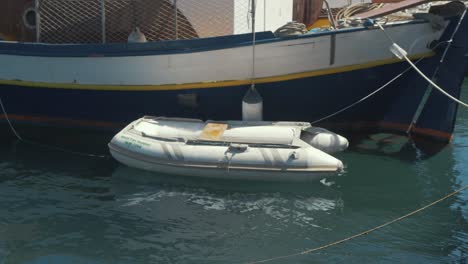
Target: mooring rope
[
  {"x": 402, "y": 53},
  {"x": 21, "y": 139},
  {"x": 453, "y": 34},
  {"x": 412, "y": 66},
  {"x": 365, "y": 97},
  {"x": 8, "y": 121},
  {"x": 308, "y": 251}
]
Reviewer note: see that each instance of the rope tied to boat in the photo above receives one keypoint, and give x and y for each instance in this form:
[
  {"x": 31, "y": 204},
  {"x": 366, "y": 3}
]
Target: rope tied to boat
[
  {"x": 363, "y": 98},
  {"x": 21, "y": 139},
  {"x": 402, "y": 54},
  {"x": 312, "y": 250},
  {"x": 412, "y": 66}
]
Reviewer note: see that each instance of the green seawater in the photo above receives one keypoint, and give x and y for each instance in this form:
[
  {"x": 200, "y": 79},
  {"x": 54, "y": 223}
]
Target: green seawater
[{"x": 57, "y": 207}]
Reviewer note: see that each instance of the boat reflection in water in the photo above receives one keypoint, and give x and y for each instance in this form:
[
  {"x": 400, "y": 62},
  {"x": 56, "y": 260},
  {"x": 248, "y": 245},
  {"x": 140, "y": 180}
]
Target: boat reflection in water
[{"x": 113, "y": 206}]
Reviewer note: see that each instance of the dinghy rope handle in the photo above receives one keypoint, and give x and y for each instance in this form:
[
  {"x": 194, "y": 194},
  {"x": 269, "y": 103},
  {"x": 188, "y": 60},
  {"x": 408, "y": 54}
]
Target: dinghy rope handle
[{"x": 312, "y": 250}]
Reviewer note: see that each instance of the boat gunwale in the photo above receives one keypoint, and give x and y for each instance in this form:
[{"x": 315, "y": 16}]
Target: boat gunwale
[
  {"x": 167, "y": 47},
  {"x": 213, "y": 143},
  {"x": 130, "y": 129},
  {"x": 205, "y": 85}
]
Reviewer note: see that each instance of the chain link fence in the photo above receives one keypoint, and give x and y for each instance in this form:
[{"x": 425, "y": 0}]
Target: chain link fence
[
  {"x": 110, "y": 21},
  {"x": 70, "y": 21}
]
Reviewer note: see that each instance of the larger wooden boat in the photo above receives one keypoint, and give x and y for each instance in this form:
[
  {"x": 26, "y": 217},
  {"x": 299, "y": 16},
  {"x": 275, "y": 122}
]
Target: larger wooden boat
[{"x": 72, "y": 66}]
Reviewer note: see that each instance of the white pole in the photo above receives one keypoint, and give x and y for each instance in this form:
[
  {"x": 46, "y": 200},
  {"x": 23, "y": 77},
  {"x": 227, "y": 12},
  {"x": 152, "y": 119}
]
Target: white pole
[
  {"x": 38, "y": 21},
  {"x": 264, "y": 14},
  {"x": 253, "y": 13},
  {"x": 176, "y": 27},
  {"x": 103, "y": 21},
  {"x": 252, "y": 103}
]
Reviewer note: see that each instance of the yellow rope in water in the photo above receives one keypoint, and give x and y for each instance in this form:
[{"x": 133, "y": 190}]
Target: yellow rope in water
[{"x": 308, "y": 251}]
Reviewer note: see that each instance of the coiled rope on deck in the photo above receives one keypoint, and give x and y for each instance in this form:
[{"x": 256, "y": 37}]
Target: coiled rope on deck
[
  {"x": 21, "y": 139},
  {"x": 308, "y": 251},
  {"x": 291, "y": 29},
  {"x": 357, "y": 8}
]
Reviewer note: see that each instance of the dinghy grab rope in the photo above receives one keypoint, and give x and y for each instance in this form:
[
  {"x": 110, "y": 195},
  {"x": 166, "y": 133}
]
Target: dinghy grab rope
[
  {"x": 21, "y": 139},
  {"x": 312, "y": 250}
]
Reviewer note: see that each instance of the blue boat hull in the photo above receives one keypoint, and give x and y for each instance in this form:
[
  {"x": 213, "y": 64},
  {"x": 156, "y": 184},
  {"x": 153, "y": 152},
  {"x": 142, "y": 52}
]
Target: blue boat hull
[
  {"x": 305, "y": 99},
  {"x": 466, "y": 64}
]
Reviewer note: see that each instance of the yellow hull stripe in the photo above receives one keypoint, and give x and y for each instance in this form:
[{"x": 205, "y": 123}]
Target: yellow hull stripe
[{"x": 202, "y": 85}]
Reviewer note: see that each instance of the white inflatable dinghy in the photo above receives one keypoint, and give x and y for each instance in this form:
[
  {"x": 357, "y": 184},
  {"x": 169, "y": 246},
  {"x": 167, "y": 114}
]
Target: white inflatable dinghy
[{"x": 283, "y": 151}]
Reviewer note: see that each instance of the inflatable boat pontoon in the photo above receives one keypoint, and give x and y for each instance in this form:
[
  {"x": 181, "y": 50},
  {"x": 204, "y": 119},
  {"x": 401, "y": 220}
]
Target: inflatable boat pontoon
[{"x": 281, "y": 151}]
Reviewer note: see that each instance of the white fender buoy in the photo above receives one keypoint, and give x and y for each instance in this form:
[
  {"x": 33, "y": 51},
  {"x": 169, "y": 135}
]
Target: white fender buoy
[
  {"x": 136, "y": 36},
  {"x": 324, "y": 140},
  {"x": 252, "y": 106}
]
